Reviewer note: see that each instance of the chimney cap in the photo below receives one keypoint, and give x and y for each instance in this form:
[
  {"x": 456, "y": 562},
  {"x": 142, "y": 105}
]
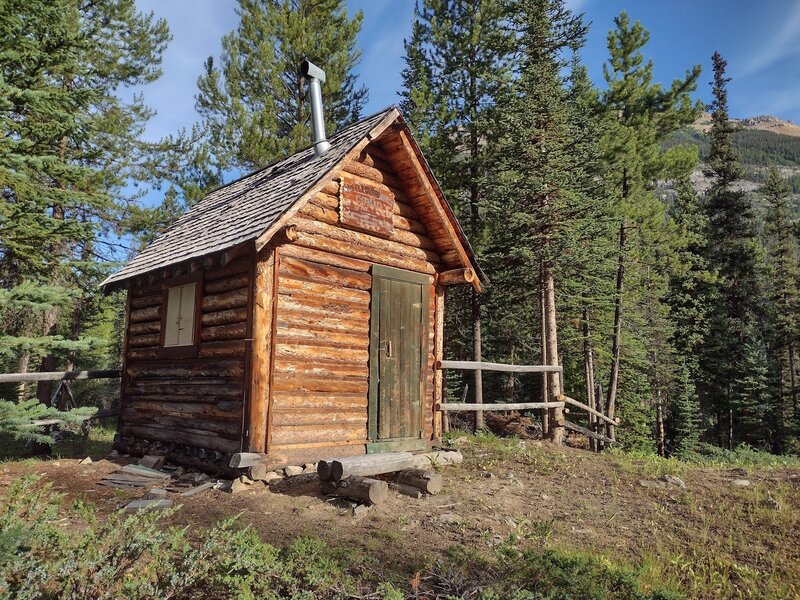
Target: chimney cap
[{"x": 309, "y": 69}]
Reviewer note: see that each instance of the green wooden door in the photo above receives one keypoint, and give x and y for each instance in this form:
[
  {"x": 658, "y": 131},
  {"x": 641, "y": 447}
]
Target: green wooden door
[{"x": 398, "y": 355}]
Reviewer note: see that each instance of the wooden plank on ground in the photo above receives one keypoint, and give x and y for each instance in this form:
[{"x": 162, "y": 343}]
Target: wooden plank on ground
[{"x": 597, "y": 436}]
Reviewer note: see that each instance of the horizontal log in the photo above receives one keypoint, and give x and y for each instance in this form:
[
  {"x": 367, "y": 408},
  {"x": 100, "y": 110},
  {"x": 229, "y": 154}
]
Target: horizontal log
[
  {"x": 326, "y": 258},
  {"x": 320, "y": 417},
  {"x": 144, "y": 328},
  {"x": 468, "y": 365},
  {"x": 299, "y": 400},
  {"x": 188, "y": 369},
  {"x": 319, "y": 242},
  {"x": 226, "y": 284},
  {"x": 207, "y": 425},
  {"x": 328, "y": 291},
  {"x": 589, "y": 433},
  {"x": 318, "y": 306},
  {"x": 222, "y": 349},
  {"x": 225, "y": 300},
  {"x": 224, "y": 317},
  {"x": 145, "y": 301},
  {"x": 353, "y": 167},
  {"x": 136, "y": 354},
  {"x": 459, "y": 406},
  {"x": 287, "y": 434},
  {"x": 293, "y": 319},
  {"x": 368, "y": 464},
  {"x": 145, "y": 340},
  {"x": 172, "y": 435},
  {"x": 365, "y": 240},
  {"x": 596, "y": 413},
  {"x": 322, "y": 368},
  {"x": 305, "y": 270},
  {"x": 285, "y": 382},
  {"x": 293, "y": 349},
  {"x": 234, "y": 331},
  {"x": 238, "y": 266},
  {"x": 225, "y": 411},
  {"x": 59, "y": 376},
  {"x": 150, "y": 313}
]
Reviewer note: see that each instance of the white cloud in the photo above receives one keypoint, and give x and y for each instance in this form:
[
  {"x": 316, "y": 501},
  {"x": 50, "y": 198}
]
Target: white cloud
[{"x": 782, "y": 45}]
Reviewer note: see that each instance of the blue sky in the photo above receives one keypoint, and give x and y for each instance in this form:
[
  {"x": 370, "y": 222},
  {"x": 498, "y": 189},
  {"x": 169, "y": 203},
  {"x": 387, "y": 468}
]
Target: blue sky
[{"x": 761, "y": 41}]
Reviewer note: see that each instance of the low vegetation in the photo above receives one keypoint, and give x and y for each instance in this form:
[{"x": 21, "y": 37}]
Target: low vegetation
[{"x": 585, "y": 527}]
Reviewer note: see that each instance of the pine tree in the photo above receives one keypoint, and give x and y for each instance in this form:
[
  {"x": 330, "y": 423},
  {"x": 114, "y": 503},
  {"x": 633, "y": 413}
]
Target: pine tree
[
  {"x": 254, "y": 104},
  {"x": 639, "y": 115},
  {"x": 732, "y": 358},
  {"x": 784, "y": 307},
  {"x": 457, "y": 70}
]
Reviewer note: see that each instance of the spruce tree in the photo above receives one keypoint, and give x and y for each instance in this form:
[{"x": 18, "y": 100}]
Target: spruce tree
[
  {"x": 254, "y": 104},
  {"x": 457, "y": 70},
  {"x": 732, "y": 358},
  {"x": 784, "y": 307},
  {"x": 70, "y": 146}
]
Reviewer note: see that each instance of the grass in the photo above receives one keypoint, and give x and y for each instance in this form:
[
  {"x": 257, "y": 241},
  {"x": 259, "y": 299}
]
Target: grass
[{"x": 97, "y": 443}]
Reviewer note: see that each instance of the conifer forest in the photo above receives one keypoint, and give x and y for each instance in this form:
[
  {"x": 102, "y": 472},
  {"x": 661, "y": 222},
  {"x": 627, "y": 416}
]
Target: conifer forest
[{"x": 676, "y": 288}]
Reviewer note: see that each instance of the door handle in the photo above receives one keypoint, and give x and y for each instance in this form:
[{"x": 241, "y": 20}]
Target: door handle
[{"x": 388, "y": 348}]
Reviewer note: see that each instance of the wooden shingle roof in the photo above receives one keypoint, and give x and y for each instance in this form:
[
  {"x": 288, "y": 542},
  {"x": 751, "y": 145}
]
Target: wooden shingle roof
[{"x": 243, "y": 209}]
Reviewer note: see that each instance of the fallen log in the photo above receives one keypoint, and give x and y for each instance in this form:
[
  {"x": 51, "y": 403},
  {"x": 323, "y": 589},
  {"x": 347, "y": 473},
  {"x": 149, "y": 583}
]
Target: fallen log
[
  {"x": 427, "y": 480},
  {"x": 374, "y": 491},
  {"x": 249, "y": 459},
  {"x": 384, "y": 462}
]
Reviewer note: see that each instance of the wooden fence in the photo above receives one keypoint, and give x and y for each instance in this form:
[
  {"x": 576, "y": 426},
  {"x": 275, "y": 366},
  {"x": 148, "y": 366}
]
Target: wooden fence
[{"x": 559, "y": 402}]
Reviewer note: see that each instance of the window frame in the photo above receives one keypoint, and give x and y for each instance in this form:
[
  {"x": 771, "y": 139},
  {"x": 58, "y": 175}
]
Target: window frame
[{"x": 188, "y": 350}]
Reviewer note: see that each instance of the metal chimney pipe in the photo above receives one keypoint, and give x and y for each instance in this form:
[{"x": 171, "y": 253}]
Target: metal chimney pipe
[{"x": 316, "y": 77}]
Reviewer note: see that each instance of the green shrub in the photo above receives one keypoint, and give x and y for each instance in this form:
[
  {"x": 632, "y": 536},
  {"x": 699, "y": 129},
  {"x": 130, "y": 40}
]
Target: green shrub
[
  {"x": 742, "y": 456},
  {"x": 46, "y": 552}
]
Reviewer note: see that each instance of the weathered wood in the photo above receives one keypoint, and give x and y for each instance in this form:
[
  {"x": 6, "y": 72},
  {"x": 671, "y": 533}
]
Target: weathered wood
[
  {"x": 438, "y": 353},
  {"x": 427, "y": 480},
  {"x": 59, "y": 376},
  {"x": 191, "y": 437},
  {"x": 218, "y": 333},
  {"x": 467, "y": 365},
  {"x": 240, "y": 460},
  {"x": 368, "y": 464},
  {"x": 222, "y": 349},
  {"x": 145, "y": 301},
  {"x": 464, "y": 406},
  {"x": 597, "y": 436},
  {"x": 306, "y": 270},
  {"x": 373, "y": 491},
  {"x": 261, "y": 349},
  {"x": 408, "y": 490},
  {"x": 597, "y": 414},
  {"x": 150, "y": 313},
  {"x": 224, "y": 317},
  {"x": 225, "y": 300},
  {"x": 143, "y": 341},
  {"x": 144, "y": 327},
  {"x": 226, "y": 284},
  {"x": 455, "y": 277}
]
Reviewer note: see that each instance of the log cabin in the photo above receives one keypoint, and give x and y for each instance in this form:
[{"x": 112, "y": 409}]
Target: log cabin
[{"x": 296, "y": 312}]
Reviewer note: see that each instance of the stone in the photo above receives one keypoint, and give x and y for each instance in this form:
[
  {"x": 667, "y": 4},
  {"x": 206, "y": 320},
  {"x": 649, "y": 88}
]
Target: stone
[
  {"x": 246, "y": 480},
  {"x": 237, "y": 485},
  {"x": 672, "y": 480},
  {"x": 291, "y": 471},
  {"x": 307, "y": 470},
  {"x": 86, "y": 461},
  {"x": 449, "y": 519},
  {"x": 272, "y": 476},
  {"x": 310, "y": 466},
  {"x": 148, "y": 504},
  {"x": 545, "y": 497},
  {"x": 156, "y": 493},
  {"x": 740, "y": 483},
  {"x": 360, "y": 510}
]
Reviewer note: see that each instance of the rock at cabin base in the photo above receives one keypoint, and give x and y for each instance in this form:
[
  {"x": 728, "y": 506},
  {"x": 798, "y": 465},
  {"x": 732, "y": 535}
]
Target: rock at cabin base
[
  {"x": 155, "y": 494},
  {"x": 293, "y": 470},
  {"x": 272, "y": 476}
]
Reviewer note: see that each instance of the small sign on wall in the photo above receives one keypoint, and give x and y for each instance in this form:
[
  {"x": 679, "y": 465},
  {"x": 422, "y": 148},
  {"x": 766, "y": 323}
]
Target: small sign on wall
[{"x": 365, "y": 207}]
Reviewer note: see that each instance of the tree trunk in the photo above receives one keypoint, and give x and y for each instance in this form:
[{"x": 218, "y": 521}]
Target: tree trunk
[
  {"x": 556, "y": 414},
  {"x": 613, "y": 381},
  {"x": 793, "y": 380},
  {"x": 22, "y": 367},
  {"x": 588, "y": 368},
  {"x": 476, "y": 356},
  {"x": 545, "y": 378},
  {"x": 660, "y": 423}
]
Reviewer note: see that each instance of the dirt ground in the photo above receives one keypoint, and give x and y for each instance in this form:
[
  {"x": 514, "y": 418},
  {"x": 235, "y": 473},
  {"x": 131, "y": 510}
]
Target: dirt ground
[{"x": 631, "y": 511}]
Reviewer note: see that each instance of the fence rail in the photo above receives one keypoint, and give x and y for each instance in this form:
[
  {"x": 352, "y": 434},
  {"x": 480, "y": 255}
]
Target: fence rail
[
  {"x": 468, "y": 365},
  {"x": 59, "y": 376}
]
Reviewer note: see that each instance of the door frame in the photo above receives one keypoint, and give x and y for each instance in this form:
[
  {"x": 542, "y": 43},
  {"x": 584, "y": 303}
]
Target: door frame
[{"x": 408, "y": 443}]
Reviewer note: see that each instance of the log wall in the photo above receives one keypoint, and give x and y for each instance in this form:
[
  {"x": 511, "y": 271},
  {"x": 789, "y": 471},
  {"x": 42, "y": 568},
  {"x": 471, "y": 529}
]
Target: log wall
[
  {"x": 319, "y": 399},
  {"x": 191, "y": 406}
]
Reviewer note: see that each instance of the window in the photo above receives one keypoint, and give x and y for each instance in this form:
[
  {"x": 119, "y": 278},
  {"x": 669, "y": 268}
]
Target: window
[{"x": 180, "y": 321}]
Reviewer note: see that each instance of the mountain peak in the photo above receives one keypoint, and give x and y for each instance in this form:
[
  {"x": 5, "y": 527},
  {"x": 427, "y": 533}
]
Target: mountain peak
[{"x": 762, "y": 122}]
